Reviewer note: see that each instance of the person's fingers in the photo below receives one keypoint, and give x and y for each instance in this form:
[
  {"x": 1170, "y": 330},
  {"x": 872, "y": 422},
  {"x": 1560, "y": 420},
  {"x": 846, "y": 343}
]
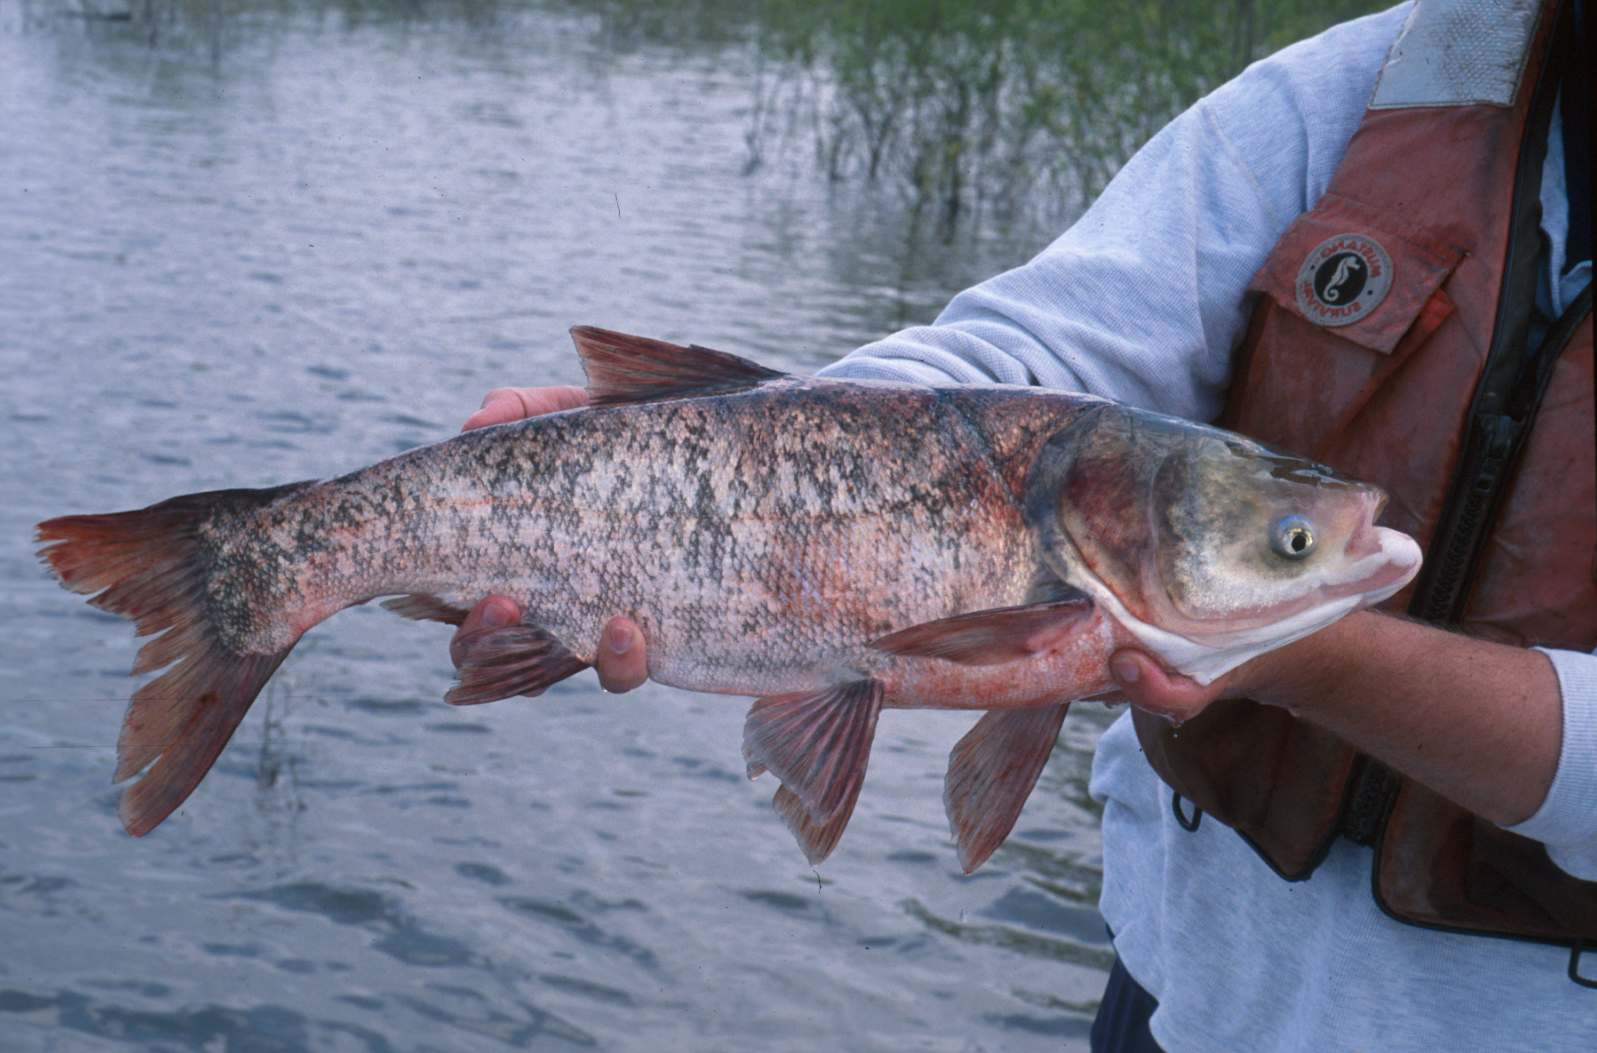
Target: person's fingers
[
  {"x": 1149, "y": 686},
  {"x": 491, "y": 613},
  {"x": 622, "y": 661},
  {"x": 503, "y": 405}
]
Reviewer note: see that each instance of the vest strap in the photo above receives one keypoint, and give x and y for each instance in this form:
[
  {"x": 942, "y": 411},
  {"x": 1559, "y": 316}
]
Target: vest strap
[{"x": 1575, "y": 952}]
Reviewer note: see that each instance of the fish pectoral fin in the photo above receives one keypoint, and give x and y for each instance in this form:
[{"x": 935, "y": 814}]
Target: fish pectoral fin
[
  {"x": 817, "y": 743},
  {"x": 1005, "y": 634},
  {"x": 510, "y": 660},
  {"x": 623, "y": 369},
  {"x": 816, "y": 839},
  {"x": 991, "y": 772},
  {"x": 420, "y": 606}
]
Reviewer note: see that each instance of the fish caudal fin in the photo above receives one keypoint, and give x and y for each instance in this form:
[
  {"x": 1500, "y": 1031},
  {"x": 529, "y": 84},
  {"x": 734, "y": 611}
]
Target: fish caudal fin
[
  {"x": 146, "y": 566},
  {"x": 817, "y": 744},
  {"x": 185, "y": 718},
  {"x": 623, "y": 369},
  {"x": 991, "y": 772},
  {"x": 510, "y": 660}
]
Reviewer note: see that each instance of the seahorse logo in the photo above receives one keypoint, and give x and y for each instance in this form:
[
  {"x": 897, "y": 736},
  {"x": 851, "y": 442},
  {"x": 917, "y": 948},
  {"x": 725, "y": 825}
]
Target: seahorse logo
[
  {"x": 1348, "y": 277},
  {"x": 1343, "y": 279}
]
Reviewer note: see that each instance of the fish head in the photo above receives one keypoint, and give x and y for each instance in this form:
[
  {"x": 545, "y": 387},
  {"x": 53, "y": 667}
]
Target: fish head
[{"x": 1209, "y": 547}]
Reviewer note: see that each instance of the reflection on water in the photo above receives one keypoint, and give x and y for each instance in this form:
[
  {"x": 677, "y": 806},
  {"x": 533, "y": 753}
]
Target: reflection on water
[{"x": 319, "y": 250}]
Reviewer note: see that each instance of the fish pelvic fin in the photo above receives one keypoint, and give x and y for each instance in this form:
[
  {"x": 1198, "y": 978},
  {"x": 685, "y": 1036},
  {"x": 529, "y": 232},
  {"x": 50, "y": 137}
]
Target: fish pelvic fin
[
  {"x": 991, "y": 772},
  {"x": 625, "y": 369},
  {"x": 147, "y": 567},
  {"x": 991, "y": 637},
  {"x": 817, "y": 840},
  {"x": 817, "y": 743},
  {"x": 510, "y": 660}
]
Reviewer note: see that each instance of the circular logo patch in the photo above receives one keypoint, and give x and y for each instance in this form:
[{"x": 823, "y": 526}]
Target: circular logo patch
[{"x": 1343, "y": 280}]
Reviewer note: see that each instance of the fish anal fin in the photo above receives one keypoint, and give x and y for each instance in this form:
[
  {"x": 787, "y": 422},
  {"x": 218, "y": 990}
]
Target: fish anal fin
[
  {"x": 817, "y": 743},
  {"x": 510, "y": 660},
  {"x": 420, "y": 606},
  {"x": 991, "y": 772},
  {"x": 624, "y": 369},
  {"x": 817, "y": 840},
  {"x": 992, "y": 637}
]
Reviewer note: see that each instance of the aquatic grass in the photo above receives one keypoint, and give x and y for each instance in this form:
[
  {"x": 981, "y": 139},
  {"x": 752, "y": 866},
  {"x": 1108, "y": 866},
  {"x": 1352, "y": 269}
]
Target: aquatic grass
[{"x": 1010, "y": 110}]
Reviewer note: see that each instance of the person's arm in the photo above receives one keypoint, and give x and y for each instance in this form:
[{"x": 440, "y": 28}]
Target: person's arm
[
  {"x": 1508, "y": 732},
  {"x": 1478, "y": 722},
  {"x": 1144, "y": 298}
]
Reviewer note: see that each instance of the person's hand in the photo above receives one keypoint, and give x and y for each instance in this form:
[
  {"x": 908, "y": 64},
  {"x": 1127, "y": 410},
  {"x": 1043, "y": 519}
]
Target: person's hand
[
  {"x": 1150, "y": 686},
  {"x": 621, "y": 659},
  {"x": 503, "y": 405},
  {"x": 1282, "y": 677}
]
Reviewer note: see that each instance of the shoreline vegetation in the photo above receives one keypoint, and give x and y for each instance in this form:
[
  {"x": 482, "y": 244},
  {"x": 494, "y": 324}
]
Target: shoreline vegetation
[{"x": 973, "y": 116}]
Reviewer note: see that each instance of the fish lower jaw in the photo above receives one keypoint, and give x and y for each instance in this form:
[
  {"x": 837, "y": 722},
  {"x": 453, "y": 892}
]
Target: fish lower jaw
[
  {"x": 1207, "y": 660},
  {"x": 1367, "y": 581}
]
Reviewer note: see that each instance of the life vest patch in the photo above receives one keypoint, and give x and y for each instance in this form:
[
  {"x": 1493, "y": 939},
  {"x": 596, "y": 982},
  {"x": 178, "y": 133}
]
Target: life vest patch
[{"x": 1343, "y": 280}]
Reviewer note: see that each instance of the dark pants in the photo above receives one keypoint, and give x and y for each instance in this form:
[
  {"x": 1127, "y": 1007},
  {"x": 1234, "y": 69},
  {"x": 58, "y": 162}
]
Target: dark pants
[{"x": 1122, "y": 1022}]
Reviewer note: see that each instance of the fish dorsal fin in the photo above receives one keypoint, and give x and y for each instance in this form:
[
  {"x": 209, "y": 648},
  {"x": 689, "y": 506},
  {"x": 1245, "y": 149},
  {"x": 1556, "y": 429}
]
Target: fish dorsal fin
[
  {"x": 991, "y": 772},
  {"x": 624, "y": 369}
]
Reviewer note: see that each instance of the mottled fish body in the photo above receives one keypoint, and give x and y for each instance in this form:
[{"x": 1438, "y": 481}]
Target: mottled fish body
[{"x": 833, "y": 547}]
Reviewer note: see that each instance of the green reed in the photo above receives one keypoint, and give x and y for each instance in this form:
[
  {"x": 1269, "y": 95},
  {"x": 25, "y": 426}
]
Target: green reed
[{"x": 1006, "y": 109}]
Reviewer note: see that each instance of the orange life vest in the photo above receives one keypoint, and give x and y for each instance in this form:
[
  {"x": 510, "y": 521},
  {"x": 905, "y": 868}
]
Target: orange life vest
[{"x": 1366, "y": 351}]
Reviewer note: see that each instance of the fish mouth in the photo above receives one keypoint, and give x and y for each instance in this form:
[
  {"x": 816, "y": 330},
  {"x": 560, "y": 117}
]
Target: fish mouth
[
  {"x": 1379, "y": 560},
  {"x": 1382, "y": 561}
]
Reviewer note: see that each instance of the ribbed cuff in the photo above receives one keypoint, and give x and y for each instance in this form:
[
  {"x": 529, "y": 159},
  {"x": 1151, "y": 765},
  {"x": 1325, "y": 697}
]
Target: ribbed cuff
[{"x": 1567, "y": 821}]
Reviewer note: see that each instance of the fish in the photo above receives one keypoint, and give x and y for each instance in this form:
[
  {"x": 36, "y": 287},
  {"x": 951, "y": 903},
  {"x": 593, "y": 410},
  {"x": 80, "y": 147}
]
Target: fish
[{"x": 829, "y": 547}]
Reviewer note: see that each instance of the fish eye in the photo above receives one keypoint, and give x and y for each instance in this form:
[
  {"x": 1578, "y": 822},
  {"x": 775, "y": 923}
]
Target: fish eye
[{"x": 1293, "y": 537}]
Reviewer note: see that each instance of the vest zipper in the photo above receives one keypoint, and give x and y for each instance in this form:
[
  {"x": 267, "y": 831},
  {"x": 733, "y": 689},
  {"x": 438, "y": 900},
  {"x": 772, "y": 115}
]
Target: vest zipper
[{"x": 1484, "y": 473}]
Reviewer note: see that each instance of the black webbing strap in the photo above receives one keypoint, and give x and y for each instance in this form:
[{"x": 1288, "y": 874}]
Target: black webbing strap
[
  {"x": 1580, "y": 132},
  {"x": 1518, "y": 365}
]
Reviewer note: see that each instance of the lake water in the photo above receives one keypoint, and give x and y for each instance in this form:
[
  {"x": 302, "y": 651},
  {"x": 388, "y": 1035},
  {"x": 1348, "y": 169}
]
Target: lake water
[{"x": 321, "y": 245}]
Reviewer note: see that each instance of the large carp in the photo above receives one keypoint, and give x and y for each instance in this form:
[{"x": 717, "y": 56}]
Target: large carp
[{"x": 833, "y": 547}]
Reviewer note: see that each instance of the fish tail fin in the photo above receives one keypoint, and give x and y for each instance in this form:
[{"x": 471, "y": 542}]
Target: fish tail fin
[{"x": 146, "y": 566}]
